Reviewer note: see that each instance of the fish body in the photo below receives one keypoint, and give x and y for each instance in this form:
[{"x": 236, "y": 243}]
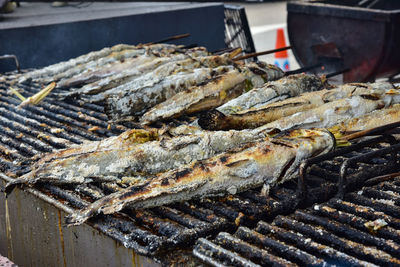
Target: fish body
[
  {"x": 85, "y": 62},
  {"x": 63, "y": 66},
  {"x": 98, "y": 88},
  {"x": 129, "y": 65},
  {"x": 290, "y": 86},
  {"x": 133, "y": 153},
  {"x": 270, "y": 161},
  {"x": 123, "y": 85},
  {"x": 109, "y": 70},
  {"x": 368, "y": 121},
  {"x": 136, "y": 102},
  {"x": 334, "y": 112},
  {"x": 214, "y": 93},
  {"x": 255, "y": 117}
]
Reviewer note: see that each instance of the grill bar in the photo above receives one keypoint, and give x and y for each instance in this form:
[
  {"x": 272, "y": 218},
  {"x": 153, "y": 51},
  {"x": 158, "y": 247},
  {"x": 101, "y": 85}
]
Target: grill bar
[
  {"x": 328, "y": 253},
  {"x": 317, "y": 236},
  {"x": 227, "y": 240},
  {"x": 280, "y": 248},
  {"x": 356, "y": 222}
]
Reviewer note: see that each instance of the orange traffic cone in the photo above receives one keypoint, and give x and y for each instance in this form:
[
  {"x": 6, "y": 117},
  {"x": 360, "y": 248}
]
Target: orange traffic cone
[{"x": 281, "y": 57}]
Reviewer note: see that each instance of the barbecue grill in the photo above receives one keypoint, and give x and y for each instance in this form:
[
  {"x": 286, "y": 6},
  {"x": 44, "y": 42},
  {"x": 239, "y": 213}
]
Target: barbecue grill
[
  {"x": 361, "y": 37},
  {"x": 247, "y": 228}
]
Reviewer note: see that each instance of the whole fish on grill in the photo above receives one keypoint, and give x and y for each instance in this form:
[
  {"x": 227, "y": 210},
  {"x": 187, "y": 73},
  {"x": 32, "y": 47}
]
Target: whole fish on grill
[
  {"x": 101, "y": 62},
  {"x": 255, "y": 117},
  {"x": 136, "y": 102},
  {"x": 91, "y": 60},
  {"x": 133, "y": 153},
  {"x": 289, "y": 86},
  {"x": 64, "y": 65},
  {"x": 369, "y": 121},
  {"x": 122, "y": 86},
  {"x": 334, "y": 112},
  {"x": 271, "y": 161},
  {"x": 118, "y": 72},
  {"x": 109, "y": 70},
  {"x": 214, "y": 93}
]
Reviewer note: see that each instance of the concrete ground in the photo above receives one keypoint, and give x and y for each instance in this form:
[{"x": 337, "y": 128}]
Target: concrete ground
[{"x": 265, "y": 19}]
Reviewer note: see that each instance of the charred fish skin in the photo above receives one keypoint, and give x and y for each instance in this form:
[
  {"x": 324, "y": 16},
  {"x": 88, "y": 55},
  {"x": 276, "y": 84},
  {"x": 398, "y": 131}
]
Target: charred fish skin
[
  {"x": 124, "y": 85},
  {"x": 135, "y": 65},
  {"x": 139, "y": 153},
  {"x": 138, "y": 102},
  {"x": 218, "y": 91},
  {"x": 368, "y": 121},
  {"x": 109, "y": 70},
  {"x": 102, "y": 88},
  {"x": 334, "y": 112},
  {"x": 256, "y": 117},
  {"x": 271, "y": 161},
  {"x": 290, "y": 86},
  {"x": 86, "y": 62},
  {"x": 83, "y": 59}
]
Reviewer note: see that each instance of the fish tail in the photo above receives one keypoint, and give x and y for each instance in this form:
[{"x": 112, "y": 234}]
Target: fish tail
[{"x": 164, "y": 189}]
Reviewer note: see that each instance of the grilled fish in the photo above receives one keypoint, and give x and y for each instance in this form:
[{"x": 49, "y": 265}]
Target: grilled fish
[
  {"x": 369, "y": 121},
  {"x": 106, "y": 71},
  {"x": 292, "y": 85},
  {"x": 123, "y": 77},
  {"x": 214, "y": 93},
  {"x": 128, "y": 67},
  {"x": 133, "y": 153},
  {"x": 84, "y": 62},
  {"x": 270, "y": 161},
  {"x": 334, "y": 112},
  {"x": 255, "y": 117},
  {"x": 123, "y": 85},
  {"x": 63, "y": 66},
  {"x": 137, "y": 102}
]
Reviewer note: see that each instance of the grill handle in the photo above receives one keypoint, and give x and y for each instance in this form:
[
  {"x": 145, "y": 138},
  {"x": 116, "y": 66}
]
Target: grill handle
[{"x": 15, "y": 59}]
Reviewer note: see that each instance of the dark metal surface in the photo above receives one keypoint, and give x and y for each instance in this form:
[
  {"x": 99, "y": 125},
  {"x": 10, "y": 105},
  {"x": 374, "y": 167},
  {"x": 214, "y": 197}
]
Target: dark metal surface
[
  {"x": 40, "y": 35},
  {"x": 342, "y": 35},
  {"x": 333, "y": 233}
]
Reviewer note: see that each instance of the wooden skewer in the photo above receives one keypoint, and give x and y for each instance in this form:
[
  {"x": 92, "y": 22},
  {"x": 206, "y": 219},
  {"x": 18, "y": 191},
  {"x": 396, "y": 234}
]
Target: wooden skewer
[
  {"x": 175, "y": 37},
  {"x": 262, "y": 53},
  {"x": 304, "y": 69},
  {"x": 224, "y": 50},
  {"x": 372, "y": 131},
  {"x": 235, "y": 52},
  {"x": 36, "y": 98},
  {"x": 329, "y": 75}
]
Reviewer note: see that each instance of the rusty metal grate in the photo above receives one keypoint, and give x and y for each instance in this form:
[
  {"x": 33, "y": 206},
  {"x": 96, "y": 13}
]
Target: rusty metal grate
[
  {"x": 336, "y": 232},
  {"x": 27, "y": 133}
]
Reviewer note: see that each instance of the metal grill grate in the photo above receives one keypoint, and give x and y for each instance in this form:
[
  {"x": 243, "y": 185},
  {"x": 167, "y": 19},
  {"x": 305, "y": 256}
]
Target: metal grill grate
[
  {"x": 334, "y": 232},
  {"x": 27, "y": 133}
]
